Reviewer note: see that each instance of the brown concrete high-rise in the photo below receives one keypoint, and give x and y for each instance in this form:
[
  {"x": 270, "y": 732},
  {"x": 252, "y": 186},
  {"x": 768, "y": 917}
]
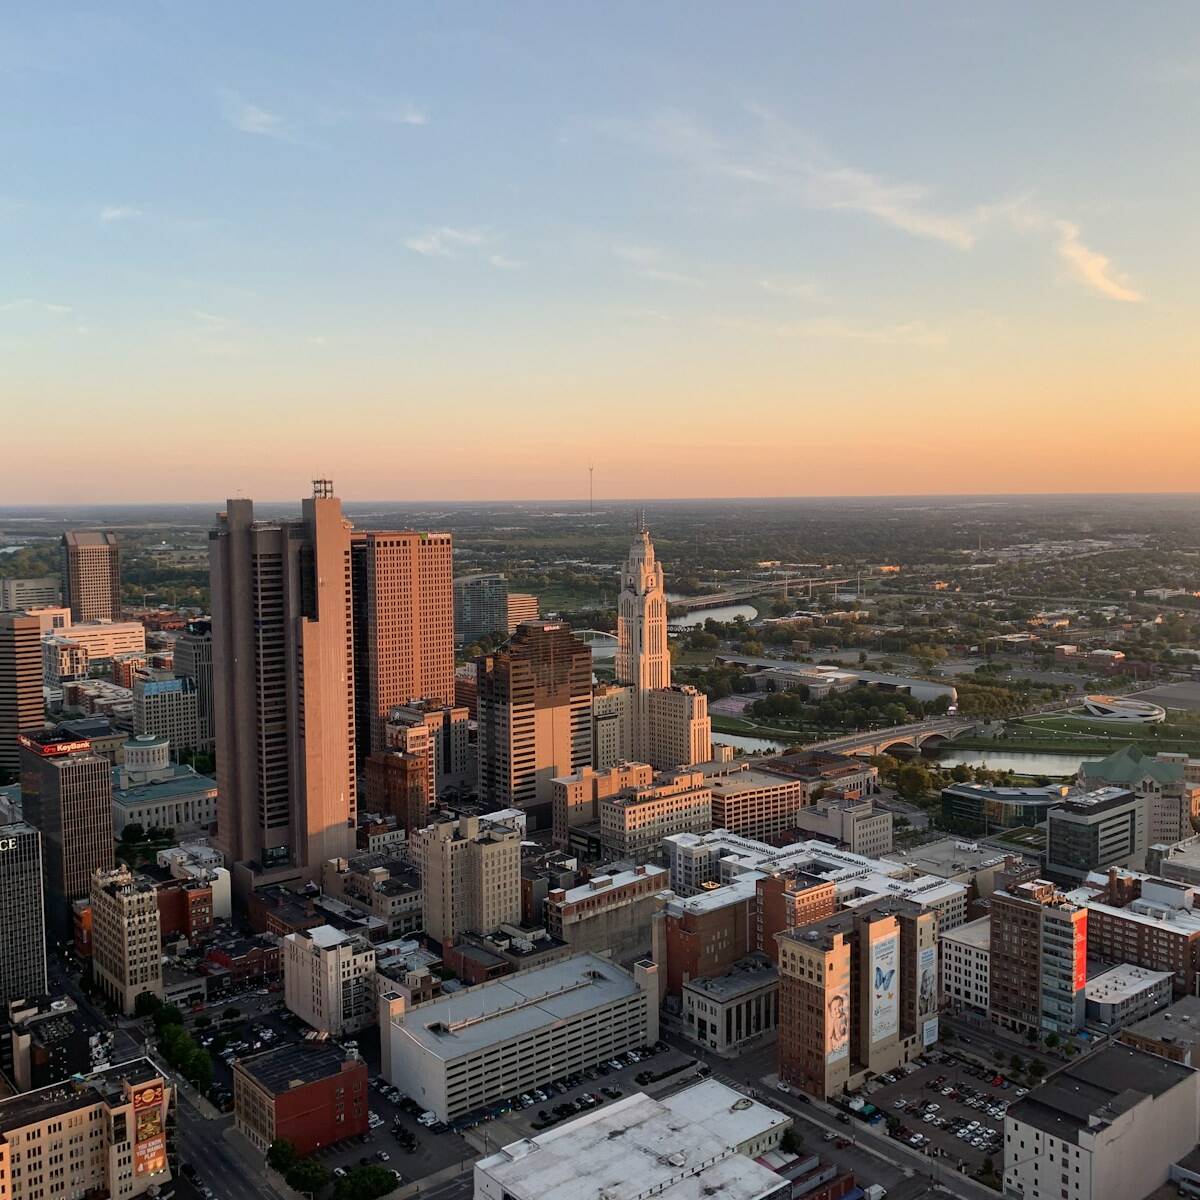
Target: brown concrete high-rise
[
  {"x": 403, "y": 626},
  {"x": 21, "y": 708},
  {"x": 91, "y": 570},
  {"x": 535, "y": 717},
  {"x": 283, "y": 688}
]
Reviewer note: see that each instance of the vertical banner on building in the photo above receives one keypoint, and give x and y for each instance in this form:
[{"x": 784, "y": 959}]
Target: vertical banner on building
[
  {"x": 837, "y": 1016},
  {"x": 885, "y": 987},
  {"x": 929, "y": 1032},
  {"x": 149, "y": 1137},
  {"x": 1080, "y": 950},
  {"x": 927, "y": 981}
]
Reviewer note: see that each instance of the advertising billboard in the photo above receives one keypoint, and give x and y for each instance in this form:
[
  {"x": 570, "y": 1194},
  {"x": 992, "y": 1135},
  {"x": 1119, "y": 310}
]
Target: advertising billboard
[
  {"x": 927, "y": 981},
  {"x": 837, "y": 1018},
  {"x": 1080, "y": 972},
  {"x": 885, "y": 987},
  {"x": 149, "y": 1136},
  {"x": 929, "y": 1032}
]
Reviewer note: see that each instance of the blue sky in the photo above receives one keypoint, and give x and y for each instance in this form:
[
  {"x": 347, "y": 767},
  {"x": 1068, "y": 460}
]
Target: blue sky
[{"x": 510, "y": 228}]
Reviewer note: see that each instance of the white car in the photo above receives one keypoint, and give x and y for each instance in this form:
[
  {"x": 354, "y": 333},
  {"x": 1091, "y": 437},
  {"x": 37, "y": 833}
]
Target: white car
[{"x": 783, "y": 1087}]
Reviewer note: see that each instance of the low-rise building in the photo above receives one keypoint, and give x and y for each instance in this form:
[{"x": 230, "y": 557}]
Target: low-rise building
[
  {"x": 1105, "y": 1128},
  {"x": 313, "y": 1095},
  {"x": 852, "y": 822},
  {"x": 1172, "y": 1032},
  {"x": 610, "y": 913},
  {"x": 48, "y": 1039},
  {"x": 734, "y": 1010},
  {"x": 1094, "y": 830},
  {"x": 699, "y": 936},
  {"x": 511, "y": 1035},
  {"x": 965, "y": 956},
  {"x": 379, "y": 884},
  {"x": 104, "y": 1134},
  {"x": 752, "y": 802},
  {"x": 1171, "y": 800},
  {"x": 823, "y": 773},
  {"x": 1125, "y": 994},
  {"x": 576, "y": 798},
  {"x": 151, "y": 791},
  {"x": 634, "y": 822},
  {"x": 703, "y": 1141},
  {"x": 984, "y": 808},
  {"x": 329, "y": 979}
]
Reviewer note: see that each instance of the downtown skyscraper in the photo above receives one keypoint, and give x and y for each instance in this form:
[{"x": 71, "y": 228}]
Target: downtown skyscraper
[
  {"x": 643, "y": 654},
  {"x": 91, "y": 570},
  {"x": 283, "y": 692}
]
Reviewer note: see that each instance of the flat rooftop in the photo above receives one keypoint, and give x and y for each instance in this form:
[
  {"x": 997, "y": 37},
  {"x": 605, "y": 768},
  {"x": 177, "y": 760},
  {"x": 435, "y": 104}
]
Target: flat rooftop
[
  {"x": 949, "y": 857},
  {"x": 1179, "y": 1024},
  {"x": 478, "y": 1018},
  {"x": 293, "y": 1065},
  {"x": 641, "y": 1146},
  {"x": 1124, "y": 982},
  {"x": 1096, "y": 1090},
  {"x": 59, "y": 1098},
  {"x": 977, "y": 934},
  {"x": 599, "y": 885},
  {"x": 750, "y": 780},
  {"x": 747, "y": 975}
]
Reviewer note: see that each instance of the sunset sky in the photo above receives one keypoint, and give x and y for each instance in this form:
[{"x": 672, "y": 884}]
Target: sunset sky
[{"x": 454, "y": 251}]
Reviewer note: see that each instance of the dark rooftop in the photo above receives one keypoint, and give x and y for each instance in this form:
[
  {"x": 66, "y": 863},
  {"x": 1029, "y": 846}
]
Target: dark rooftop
[
  {"x": 285, "y": 1067},
  {"x": 43, "y": 1103},
  {"x": 1100, "y": 1088}
]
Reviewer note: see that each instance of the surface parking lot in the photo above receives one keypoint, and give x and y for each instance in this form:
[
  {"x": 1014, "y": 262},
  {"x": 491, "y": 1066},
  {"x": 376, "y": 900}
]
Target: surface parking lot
[{"x": 955, "y": 1111}]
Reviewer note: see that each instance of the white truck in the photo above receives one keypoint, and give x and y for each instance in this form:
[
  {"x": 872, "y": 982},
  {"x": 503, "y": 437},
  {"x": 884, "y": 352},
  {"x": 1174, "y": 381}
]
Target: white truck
[{"x": 874, "y": 1192}]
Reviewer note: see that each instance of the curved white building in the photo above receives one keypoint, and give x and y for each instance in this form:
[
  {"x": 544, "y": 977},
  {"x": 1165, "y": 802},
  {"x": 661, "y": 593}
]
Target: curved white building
[{"x": 1120, "y": 708}]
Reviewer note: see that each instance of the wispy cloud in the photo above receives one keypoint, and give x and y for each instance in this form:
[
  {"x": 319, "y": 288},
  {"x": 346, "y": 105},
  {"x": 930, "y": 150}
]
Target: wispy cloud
[
  {"x": 250, "y": 118},
  {"x": 444, "y": 242},
  {"x": 773, "y": 159},
  {"x": 407, "y": 114},
  {"x": 448, "y": 242},
  {"x": 119, "y": 212},
  {"x": 795, "y": 289},
  {"x": 649, "y": 262},
  {"x": 1090, "y": 265},
  {"x": 28, "y": 304}
]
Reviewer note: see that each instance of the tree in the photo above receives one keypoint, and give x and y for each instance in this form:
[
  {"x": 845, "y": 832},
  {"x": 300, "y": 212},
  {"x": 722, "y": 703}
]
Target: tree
[
  {"x": 1017, "y": 1063},
  {"x": 913, "y": 780},
  {"x": 231, "y": 1014},
  {"x": 281, "y": 1155},
  {"x": 166, "y": 1015},
  {"x": 791, "y": 1141},
  {"x": 147, "y": 1004},
  {"x": 309, "y": 1175},
  {"x": 133, "y": 833},
  {"x": 1052, "y": 1040},
  {"x": 960, "y": 773},
  {"x": 365, "y": 1183},
  {"x": 1037, "y": 1069}
]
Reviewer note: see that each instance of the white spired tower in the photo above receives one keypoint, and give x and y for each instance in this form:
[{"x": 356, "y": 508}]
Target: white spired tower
[{"x": 643, "y": 657}]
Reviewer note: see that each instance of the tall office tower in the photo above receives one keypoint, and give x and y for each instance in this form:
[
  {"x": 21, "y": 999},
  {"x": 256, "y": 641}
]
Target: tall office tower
[
  {"x": 610, "y": 724},
  {"x": 448, "y": 736},
  {"x": 30, "y": 593},
  {"x": 126, "y": 938},
  {"x": 470, "y": 877},
  {"x": 91, "y": 571},
  {"x": 678, "y": 728},
  {"x": 535, "y": 717},
  {"x": 518, "y": 608},
  {"x": 283, "y": 689},
  {"x": 403, "y": 626},
  {"x": 66, "y": 794},
  {"x": 21, "y": 708},
  {"x": 643, "y": 656},
  {"x": 480, "y": 607},
  {"x": 165, "y": 705},
  {"x": 1038, "y": 968},
  {"x": 22, "y": 917},
  {"x": 194, "y": 660}
]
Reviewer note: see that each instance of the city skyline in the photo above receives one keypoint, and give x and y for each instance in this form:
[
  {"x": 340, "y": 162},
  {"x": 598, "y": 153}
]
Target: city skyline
[{"x": 952, "y": 245}]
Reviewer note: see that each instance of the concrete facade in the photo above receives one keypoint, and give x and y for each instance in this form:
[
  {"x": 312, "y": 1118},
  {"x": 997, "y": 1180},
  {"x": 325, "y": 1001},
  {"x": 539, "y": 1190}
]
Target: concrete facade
[
  {"x": 611, "y": 913},
  {"x": 126, "y": 938},
  {"x": 329, "y": 979}
]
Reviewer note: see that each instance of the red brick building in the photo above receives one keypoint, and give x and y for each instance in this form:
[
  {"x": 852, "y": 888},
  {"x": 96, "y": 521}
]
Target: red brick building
[
  {"x": 788, "y": 899},
  {"x": 185, "y": 907},
  {"x": 313, "y": 1095},
  {"x": 247, "y": 960},
  {"x": 703, "y": 935}
]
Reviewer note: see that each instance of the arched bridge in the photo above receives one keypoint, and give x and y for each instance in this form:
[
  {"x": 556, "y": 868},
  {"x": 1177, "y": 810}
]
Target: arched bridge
[
  {"x": 903, "y": 737},
  {"x": 595, "y": 637}
]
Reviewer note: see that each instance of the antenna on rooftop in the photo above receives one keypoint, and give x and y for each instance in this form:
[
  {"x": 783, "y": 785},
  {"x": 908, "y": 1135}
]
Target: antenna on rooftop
[{"x": 591, "y": 494}]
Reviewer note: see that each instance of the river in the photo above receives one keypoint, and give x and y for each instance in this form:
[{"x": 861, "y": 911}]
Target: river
[
  {"x": 1022, "y": 762},
  {"x": 748, "y": 745},
  {"x": 727, "y": 612}
]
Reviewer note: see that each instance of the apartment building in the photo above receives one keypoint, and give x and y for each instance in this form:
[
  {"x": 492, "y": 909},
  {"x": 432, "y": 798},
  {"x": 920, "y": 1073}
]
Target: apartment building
[
  {"x": 610, "y": 913},
  {"x": 634, "y": 822},
  {"x": 105, "y": 1135},
  {"x": 535, "y": 717},
  {"x": 857, "y": 995},
  {"x": 91, "y": 574},
  {"x": 513, "y": 1034},
  {"x": 966, "y": 956},
  {"x": 471, "y": 877},
  {"x": 1107, "y": 1127},
  {"x": 576, "y": 798},
  {"x": 21, "y": 709},
  {"x": 696, "y": 937},
  {"x": 329, "y": 979},
  {"x": 480, "y": 606},
  {"x": 126, "y": 938},
  {"x": 397, "y": 785},
  {"x": 785, "y": 899},
  {"x": 1038, "y": 950}
]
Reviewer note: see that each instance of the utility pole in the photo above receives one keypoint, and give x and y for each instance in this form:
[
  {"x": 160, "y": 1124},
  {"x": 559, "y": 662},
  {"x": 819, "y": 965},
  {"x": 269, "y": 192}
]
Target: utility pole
[{"x": 591, "y": 470}]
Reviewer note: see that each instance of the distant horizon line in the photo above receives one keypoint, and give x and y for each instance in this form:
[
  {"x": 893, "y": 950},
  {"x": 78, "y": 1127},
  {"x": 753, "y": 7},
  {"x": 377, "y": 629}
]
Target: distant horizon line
[{"x": 583, "y": 502}]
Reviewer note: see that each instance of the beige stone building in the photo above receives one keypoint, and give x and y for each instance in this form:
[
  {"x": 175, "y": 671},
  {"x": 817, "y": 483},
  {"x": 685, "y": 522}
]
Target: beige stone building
[
  {"x": 577, "y": 797},
  {"x": 329, "y": 979},
  {"x": 126, "y": 937},
  {"x": 611, "y": 716},
  {"x": 104, "y": 1135},
  {"x": 678, "y": 731},
  {"x": 633, "y": 822},
  {"x": 470, "y": 877}
]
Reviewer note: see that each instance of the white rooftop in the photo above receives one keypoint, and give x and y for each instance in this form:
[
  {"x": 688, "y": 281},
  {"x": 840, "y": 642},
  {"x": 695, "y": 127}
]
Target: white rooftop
[
  {"x": 1124, "y": 982},
  {"x": 640, "y": 1146},
  {"x": 598, "y": 885},
  {"x": 976, "y": 934}
]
